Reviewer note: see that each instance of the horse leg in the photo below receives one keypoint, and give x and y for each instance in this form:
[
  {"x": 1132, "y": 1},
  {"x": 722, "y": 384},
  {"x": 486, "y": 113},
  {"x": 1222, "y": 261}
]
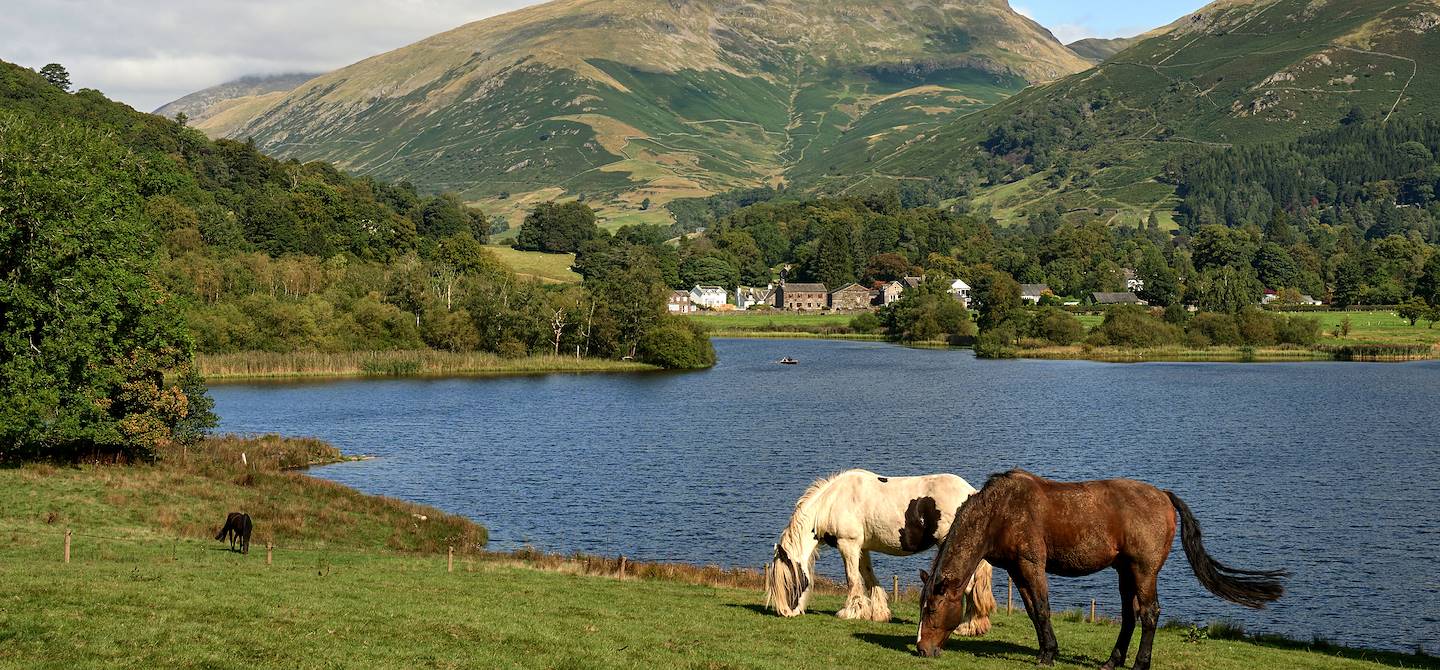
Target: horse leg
[
  {"x": 856, "y": 606},
  {"x": 1034, "y": 588},
  {"x": 1127, "y": 617},
  {"x": 879, "y": 603},
  {"x": 1148, "y": 602}
]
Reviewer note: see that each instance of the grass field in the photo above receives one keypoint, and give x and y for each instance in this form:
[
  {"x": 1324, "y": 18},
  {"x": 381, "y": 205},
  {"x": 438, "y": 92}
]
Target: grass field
[
  {"x": 362, "y": 581},
  {"x": 423, "y": 363},
  {"x": 554, "y": 268}
]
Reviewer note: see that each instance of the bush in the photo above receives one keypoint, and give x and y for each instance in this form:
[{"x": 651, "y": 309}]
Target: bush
[
  {"x": 1057, "y": 327},
  {"x": 1257, "y": 328},
  {"x": 1133, "y": 326},
  {"x": 866, "y": 323},
  {"x": 677, "y": 343},
  {"x": 995, "y": 343},
  {"x": 1298, "y": 330},
  {"x": 1218, "y": 329}
]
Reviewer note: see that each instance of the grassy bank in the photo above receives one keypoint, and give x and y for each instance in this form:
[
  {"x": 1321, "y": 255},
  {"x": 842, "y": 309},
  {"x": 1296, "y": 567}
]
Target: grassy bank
[
  {"x": 264, "y": 365},
  {"x": 361, "y": 581}
]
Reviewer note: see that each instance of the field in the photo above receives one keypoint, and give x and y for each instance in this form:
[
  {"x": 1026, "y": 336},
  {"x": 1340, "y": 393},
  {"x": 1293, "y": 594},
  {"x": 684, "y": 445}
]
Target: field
[
  {"x": 266, "y": 365},
  {"x": 553, "y": 268},
  {"x": 781, "y": 324},
  {"x": 341, "y": 593}
]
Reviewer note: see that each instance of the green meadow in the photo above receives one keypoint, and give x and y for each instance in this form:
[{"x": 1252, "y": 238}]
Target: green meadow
[{"x": 363, "y": 581}]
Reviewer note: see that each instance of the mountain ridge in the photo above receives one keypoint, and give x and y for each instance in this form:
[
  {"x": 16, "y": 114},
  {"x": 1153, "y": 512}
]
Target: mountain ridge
[{"x": 634, "y": 100}]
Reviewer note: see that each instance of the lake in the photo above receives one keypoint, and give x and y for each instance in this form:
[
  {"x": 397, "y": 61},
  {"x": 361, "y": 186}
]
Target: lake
[{"x": 1328, "y": 469}]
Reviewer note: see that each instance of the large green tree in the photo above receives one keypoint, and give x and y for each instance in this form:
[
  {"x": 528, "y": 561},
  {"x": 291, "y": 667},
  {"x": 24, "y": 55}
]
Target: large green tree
[
  {"x": 88, "y": 342},
  {"x": 557, "y": 228}
]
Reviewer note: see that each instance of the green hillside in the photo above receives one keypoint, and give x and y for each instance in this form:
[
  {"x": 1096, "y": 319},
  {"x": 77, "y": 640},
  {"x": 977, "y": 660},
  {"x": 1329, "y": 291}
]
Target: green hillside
[
  {"x": 1096, "y": 49},
  {"x": 627, "y": 100},
  {"x": 1096, "y": 144}
]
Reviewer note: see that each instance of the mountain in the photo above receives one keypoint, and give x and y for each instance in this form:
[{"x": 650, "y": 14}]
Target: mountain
[
  {"x": 1096, "y": 49},
  {"x": 627, "y": 100},
  {"x": 1235, "y": 73},
  {"x": 218, "y": 109}
]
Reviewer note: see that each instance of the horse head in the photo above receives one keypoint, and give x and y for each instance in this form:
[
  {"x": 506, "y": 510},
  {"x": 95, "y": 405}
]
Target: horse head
[
  {"x": 942, "y": 609},
  {"x": 787, "y": 584}
]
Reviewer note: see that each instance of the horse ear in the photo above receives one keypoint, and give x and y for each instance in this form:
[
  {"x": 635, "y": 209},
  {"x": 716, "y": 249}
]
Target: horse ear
[{"x": 924, "y": 577}]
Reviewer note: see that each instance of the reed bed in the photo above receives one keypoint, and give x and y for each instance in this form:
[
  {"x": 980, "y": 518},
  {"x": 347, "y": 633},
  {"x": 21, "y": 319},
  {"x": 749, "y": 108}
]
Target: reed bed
[
  {"x": 1178, "y": 354},
  {"x": 423, "y": 363}
]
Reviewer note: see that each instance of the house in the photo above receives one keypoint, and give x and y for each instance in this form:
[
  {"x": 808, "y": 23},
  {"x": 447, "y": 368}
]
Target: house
[
  {"x": 888, "y": 292},
  {"x": 961, "y": 291},
  {"x": 749, "y": 296},
  {"x": 1032, "y": 293},
  {"x": 799, "y": 297},
  {"x": 1133, "y": 282},
  {"x": 1307, "y": 300},
  {"x": 709, "y": 297},
  {"x": 851, "y": 296},
  {"x": 680, "y": 303},
  {"x": 912, "y": 282},
  {"x": 1126, "y": 298}
]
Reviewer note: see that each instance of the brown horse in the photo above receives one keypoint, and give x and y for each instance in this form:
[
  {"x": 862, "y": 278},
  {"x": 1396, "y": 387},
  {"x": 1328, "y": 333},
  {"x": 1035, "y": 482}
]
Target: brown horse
[{"x": 1030, "y": 525}]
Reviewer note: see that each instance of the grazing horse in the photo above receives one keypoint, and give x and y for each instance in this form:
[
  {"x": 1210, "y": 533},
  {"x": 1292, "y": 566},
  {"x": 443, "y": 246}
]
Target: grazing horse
[
  {"x": 237, "y": 528},
  {"x": 1030, "y": 525},
  {"x": 858, "y": 512}
]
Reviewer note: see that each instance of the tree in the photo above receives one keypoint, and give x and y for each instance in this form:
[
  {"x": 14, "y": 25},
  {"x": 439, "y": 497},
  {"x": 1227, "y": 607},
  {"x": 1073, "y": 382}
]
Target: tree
[
  {"x": 1428, "y": 287},
  {"x": 886, "y": 267},
  {"x": 926, "y": 313},
  {"x": 87, "y": 339},
  {"x": 557, "y": 228},
  {"x": 677, "y": 343},
  {"x": 57, "y": 75},
  {"x": 1413, "y": 310},
  {"x": 1227, "y": 289},
  {"x": 996, "y": 295}
]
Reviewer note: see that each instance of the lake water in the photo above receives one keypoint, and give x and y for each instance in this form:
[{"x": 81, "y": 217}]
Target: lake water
[{"x": 1330, "y": 470}]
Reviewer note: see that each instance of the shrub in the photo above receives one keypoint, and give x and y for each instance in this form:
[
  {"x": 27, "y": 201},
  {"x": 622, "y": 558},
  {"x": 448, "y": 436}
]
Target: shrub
[
  {"x": 1256, "y": 328},
  {"x": 1219, "y": 329},
  {"x": 1298, "y": 330},
  {"x": 866, "y": 323},
  {"x": 1133, "y": 326},
  {"x": 995, "y": 343},
  {"x": 1057, "y": 326},
  {"x": 677, "y": 343}
]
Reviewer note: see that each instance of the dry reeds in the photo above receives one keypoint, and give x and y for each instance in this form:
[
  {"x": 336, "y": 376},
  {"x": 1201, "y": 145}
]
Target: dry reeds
[{"x": 264, "y": 364}]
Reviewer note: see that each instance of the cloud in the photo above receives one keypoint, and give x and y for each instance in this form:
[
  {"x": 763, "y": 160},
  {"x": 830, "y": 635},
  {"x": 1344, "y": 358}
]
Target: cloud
[{"x": 149, "y": 52}]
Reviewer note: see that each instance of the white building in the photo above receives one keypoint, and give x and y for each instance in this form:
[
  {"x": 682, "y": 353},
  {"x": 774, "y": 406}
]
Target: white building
[
  {"x": 709, "y": 297},
  {"x": 749, "y": 296},
  {"x": 961, "y": 291}
]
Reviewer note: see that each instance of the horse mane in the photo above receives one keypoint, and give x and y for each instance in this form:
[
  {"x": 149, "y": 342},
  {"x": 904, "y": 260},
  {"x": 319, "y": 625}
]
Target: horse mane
[
  {"x": 1013, "y": 473},
  {"x": 803, "y": 519}
]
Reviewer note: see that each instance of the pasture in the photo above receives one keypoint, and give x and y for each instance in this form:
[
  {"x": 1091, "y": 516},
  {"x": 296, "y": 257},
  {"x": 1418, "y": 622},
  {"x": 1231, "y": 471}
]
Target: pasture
[
  {"x": 146, "y": 588},
  {"x": 549, "y": 268}
]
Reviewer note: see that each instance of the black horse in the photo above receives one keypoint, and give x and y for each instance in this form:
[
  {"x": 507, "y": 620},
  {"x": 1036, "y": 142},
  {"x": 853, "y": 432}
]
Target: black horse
[{"x": 237, "y": 528}]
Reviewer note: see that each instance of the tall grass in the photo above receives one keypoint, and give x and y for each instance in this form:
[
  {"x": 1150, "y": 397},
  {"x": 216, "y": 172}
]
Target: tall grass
[{"x": 263, "y": 364}]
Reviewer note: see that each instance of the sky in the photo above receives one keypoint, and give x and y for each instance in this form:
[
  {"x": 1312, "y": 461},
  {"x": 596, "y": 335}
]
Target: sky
[{"x": 149, "y": 52}]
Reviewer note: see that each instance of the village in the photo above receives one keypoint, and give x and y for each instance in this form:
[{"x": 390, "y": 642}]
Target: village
[{"x": 853, "y": 297}]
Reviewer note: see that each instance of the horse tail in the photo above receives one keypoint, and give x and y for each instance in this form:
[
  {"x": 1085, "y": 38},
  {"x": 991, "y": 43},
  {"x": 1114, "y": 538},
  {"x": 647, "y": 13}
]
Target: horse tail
[
  {"x": 1251, "y": 588},
  {"x": 983, "y": 592}
]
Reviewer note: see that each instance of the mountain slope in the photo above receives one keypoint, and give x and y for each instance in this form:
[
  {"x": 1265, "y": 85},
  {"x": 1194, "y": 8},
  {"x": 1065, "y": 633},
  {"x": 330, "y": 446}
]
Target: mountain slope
[
  {"x": 1236, "y": 72},
  {"x": 623, "y": 100},
  {"x": 216, "y": 110},
  {"x": 1096, "y": 49}
]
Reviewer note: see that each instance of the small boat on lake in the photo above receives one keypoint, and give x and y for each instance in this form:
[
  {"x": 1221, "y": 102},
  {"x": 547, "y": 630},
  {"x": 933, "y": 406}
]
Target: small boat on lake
[{"x": 788, "y": 361}]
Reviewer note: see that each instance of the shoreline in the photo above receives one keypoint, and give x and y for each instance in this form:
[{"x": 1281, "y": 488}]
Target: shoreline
[{"x": 262, "y": 366}]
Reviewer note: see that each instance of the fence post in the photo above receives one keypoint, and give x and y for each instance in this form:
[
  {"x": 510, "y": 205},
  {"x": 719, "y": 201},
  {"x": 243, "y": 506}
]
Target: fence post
[
  {"x": 67, "y": 544},
  {"x": 269, "y": 552},
  {"x": 1092, "y": 610},
  {"x": 622, "y": 566},
  {"x": 896, "y": 587},
  {"x": 1009, "y": 595},
  {"x": 450, "y": 560}
]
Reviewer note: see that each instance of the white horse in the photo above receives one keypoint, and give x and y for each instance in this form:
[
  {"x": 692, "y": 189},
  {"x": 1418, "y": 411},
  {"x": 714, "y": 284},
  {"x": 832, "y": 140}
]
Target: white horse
[{"x": 858, "y": 512}]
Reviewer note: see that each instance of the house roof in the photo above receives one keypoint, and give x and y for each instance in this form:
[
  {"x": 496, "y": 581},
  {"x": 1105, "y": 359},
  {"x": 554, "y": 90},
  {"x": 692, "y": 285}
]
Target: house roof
[
  {"x": 805, "y": 288},
  {"x": 702, "y": 287},
  {"x": 1034, "y": 289},
  {"x": 679, "y": 294},
  {"x": 912, "y": 282},
  {"x": 959, "y": 285},
  {"x": 851, "y": 285},
  {"x": 1123, "y": 298}
]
